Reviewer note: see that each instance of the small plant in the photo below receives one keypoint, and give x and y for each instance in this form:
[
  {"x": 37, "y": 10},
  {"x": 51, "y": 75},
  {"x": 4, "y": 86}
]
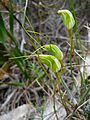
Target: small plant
[{"x": 69, "y": 23}]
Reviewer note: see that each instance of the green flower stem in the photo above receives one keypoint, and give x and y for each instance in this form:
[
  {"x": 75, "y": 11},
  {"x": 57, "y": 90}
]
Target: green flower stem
[
  {"x": 71, "y": 40},
  {"x": 72, "y": 47}
]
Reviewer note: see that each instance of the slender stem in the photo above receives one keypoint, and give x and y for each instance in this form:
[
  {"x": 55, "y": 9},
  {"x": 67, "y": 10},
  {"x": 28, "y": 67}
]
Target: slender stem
[
  {"x": 22, "y": 31},
  {"x": 54, "y": 107},
  {"x": 71, "y": 48}
]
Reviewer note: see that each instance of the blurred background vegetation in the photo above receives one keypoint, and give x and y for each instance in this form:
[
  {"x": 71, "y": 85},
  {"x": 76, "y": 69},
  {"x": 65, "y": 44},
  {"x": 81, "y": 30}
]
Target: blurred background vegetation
[{"x": 32, "y": 24}]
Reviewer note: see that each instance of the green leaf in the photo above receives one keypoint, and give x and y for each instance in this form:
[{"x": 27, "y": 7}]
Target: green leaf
[
  {"x": 67, "y": 18},
  {"x": 11, "y": 18},
  {"x": 3, "y": 33},
  {"x": 54, "y": 50},
  {"x": 51, "y": 61}
]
